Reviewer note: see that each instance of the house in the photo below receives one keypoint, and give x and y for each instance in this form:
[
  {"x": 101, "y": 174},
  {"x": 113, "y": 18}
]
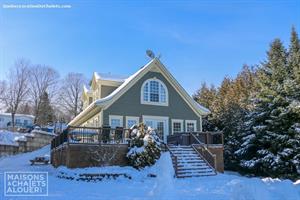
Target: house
[
  {"x": 100, "y": 134},
  {"x": 21, "y": 120},
  {"x": 151, "y": 95}
]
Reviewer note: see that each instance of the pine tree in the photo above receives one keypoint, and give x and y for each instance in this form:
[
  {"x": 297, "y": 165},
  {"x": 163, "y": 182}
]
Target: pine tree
[
  {"x": 206, "y": 96},
  {"x": 294, "y": 55},
  {"x": 45, "y": 111},
  {"x": 228, "y": 105},
  {"x": 268, "y": 143}
]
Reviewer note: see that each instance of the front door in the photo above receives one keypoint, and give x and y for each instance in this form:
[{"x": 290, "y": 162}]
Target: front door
[{"x": 159, "y": 124}]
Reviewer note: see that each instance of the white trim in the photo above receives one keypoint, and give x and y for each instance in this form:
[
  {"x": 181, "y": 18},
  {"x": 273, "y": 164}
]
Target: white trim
[
  {"x": 174, "y": 121},
  {"x": 191, "y": 121},
  {"x": 200, "y": 128},
  {"x": 159, "y": 93},
  {"x": 155, "y": 117},
  {"x": 101, "y": 117},
  {"x": 131, "y": 118},
  {"x": 120, "y": 117}
]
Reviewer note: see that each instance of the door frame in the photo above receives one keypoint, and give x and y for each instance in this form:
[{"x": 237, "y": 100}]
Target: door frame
[{"x": 159, "y": 118}]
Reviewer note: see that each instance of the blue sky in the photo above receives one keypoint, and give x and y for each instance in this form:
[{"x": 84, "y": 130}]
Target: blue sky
[{"x": 198, "y": 40}]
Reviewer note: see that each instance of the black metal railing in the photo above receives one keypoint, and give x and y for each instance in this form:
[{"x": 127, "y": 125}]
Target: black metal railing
[
  {"x": 209, "y": 138},
  {"x": 91, "y": 135}
]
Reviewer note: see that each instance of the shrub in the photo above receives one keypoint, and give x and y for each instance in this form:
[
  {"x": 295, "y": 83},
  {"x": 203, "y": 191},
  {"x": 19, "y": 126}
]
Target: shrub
[{"x": 144, "y": 147}]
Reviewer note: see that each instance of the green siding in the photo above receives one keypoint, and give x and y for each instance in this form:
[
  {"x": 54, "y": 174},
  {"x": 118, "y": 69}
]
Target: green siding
[{"x": 129, "y": 104}]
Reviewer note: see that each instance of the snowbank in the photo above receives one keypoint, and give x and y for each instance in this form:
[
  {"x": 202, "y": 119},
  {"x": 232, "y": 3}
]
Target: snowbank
[
  {"x": 11, "y": 138},
  {"x": 163, "y": 187}
]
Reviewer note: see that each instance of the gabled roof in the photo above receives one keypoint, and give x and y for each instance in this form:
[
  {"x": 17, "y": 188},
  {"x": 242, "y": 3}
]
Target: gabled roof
[{"x": 130, "y": 81}]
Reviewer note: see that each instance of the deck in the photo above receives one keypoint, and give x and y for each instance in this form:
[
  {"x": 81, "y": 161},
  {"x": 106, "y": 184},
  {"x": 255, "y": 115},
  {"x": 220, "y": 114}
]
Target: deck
[{"x": 103, "y": 146}]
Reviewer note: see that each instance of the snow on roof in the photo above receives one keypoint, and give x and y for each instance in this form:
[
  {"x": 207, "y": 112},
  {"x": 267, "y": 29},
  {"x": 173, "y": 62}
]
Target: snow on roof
[
  {"x": 18, "y": 115},
  {"x": 86, "y": 88},
  {"x": 42, "y": 132},
  {"x": 116, "y": 91},
  {"x": 110, "y": 77}
]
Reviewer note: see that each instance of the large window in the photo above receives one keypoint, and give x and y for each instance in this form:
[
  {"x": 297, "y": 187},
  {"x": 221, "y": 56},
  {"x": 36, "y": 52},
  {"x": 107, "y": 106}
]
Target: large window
[
  {"x": 190, "y": 125},
  {"x": 115, "y": 121},
  {"x": 154, "y": 92},
  {"x": 177, "y": 126}
]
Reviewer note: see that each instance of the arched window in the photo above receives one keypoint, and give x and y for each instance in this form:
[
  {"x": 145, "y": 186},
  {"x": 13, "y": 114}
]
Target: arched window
[{"x": 154, "y": 92}]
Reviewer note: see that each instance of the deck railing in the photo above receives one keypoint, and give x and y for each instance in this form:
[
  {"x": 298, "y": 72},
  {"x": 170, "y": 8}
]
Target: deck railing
[
  {"x": 91, "y": 135},
  {"x": 209, "y": 138}
]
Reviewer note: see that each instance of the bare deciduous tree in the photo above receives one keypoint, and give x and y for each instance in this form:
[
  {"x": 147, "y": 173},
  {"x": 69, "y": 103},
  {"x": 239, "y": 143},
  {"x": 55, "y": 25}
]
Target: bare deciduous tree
[
  {"x": 71, "y": 91},
  {"x": 17, "y": 87},
  {"x": 2, "y": 88},
  {"x": 42, "y": 79},
  {"x": 2, "y": 93}
]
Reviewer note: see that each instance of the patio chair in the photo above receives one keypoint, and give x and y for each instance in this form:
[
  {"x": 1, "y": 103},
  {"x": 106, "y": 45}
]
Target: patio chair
[
  {"x": 106, "y": 134},
  {"x": 118, "y": 134}
]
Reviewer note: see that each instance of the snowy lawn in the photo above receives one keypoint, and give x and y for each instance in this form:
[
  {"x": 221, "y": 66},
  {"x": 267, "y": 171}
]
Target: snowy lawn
[
  {"x": 164, "y": 186},
  {"x": 10, "y": 138}
]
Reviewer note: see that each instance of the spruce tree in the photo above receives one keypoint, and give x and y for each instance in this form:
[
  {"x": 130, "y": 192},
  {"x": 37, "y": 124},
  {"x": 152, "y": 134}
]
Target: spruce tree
[
  {"x": 268, "y": 142},
  {"x": 294, "y": 55},
  {"x": 45, "y": 111}
]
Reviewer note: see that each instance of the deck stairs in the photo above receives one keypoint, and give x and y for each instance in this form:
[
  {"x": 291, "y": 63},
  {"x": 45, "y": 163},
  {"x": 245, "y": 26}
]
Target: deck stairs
[{"x": 189, "y": 163}]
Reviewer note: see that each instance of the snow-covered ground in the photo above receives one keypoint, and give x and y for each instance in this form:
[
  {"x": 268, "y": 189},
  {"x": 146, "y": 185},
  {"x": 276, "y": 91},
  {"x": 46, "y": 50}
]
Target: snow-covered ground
[
  {"x": 11, "y": 138},
  {"x": 164, "y": 186}
]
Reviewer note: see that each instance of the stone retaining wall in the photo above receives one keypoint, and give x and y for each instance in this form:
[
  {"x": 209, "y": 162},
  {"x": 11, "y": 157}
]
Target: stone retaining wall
[
  {"x": 6, "y": 150},
  {"x": 88, "y": 155},
  {"x": 39, "y": 139}
]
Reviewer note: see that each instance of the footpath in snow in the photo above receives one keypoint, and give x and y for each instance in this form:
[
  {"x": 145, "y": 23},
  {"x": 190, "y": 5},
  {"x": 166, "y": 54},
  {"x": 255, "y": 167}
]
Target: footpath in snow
[{"x": 141, "y": 186}]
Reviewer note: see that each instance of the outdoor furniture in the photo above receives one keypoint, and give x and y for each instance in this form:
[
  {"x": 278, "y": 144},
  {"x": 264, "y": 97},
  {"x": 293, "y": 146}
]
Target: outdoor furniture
[
  {"x": 39, "y": 160},
  {"x": 106, "y": 134},
  {"x": 75, "y": 138},
  {"x": 118, "y": 134}
]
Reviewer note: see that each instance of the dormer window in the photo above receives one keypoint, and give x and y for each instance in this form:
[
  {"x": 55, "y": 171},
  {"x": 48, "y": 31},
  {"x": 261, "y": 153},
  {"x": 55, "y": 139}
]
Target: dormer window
[{"x": 154, "y": 92}]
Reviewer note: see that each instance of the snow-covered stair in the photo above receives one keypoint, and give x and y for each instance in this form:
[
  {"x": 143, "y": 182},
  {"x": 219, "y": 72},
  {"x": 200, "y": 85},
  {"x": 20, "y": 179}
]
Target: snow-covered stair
[{"x": 189, "y": 163}]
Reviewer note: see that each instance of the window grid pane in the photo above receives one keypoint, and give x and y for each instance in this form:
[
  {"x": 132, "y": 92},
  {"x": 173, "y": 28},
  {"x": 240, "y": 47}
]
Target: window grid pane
[
  {"x": 154, "y": 91},
  {"x": 146, "y": 91},
  {"x": 176, "y": 127},
  {"x": 162, "y": 93},
  {"x": 115, "y": 123},
  {"x": 131, "y": 122},
  {"x": 190, "y": 127}
]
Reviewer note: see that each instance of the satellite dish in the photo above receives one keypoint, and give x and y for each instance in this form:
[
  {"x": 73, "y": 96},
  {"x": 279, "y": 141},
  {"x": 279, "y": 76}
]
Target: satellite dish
[{"x": 150, "y": 54}]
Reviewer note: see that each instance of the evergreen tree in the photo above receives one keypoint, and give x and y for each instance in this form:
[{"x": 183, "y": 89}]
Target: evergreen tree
[
  {"x": 45, "y": 111},
  {"x": 294, "y": 55},
  {"x": 269, "y": 143},
  {"x": 206, "y": 96},
  {"x": 228, "y": 105}
]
